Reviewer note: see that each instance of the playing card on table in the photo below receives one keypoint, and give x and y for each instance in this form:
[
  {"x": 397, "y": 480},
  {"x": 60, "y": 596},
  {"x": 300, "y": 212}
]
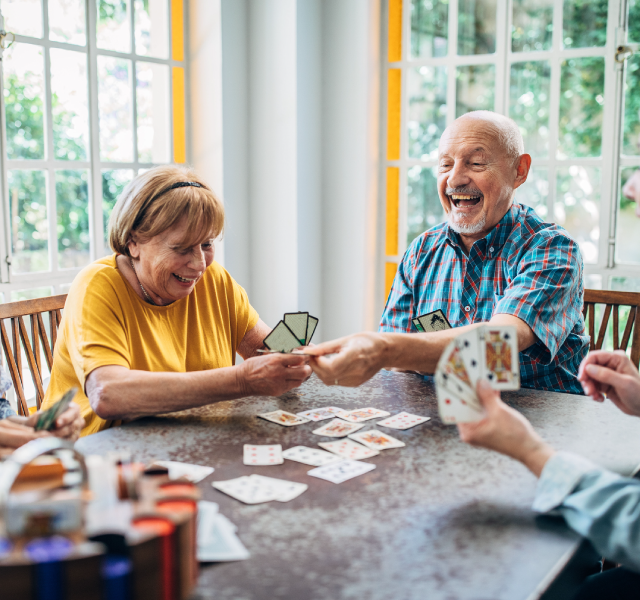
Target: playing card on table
[
  {"x": 281, "y": 339},
  {"x": 361, "y": 414},
  {"x": 247, "y": 489},
  {"x": 376, "y": 440},
  {"x": 283, "y": 418},
  {"x": 263, "y": 455},
  {"x": 403, "y": 420},
  {"x": 284, "y": 490},
  {"x": 349, "y": 449},
  {"x": 311, "y": 328},
  {"x": 499, "y": 356},
  {"x": 297, "y": 322},
  {"x": 341, "y": 471},
  {"x": 433, "y": 321},
  {"x": 338, "y": 428},
  {"x": 194, "y": 473},
  {"x": 320, "y": 414},
  {"x": 310, "y": 456}
]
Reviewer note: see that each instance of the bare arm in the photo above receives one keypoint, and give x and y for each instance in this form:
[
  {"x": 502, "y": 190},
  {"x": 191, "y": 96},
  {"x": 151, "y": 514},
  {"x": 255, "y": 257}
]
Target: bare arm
[{"x": 252, "y": 340}]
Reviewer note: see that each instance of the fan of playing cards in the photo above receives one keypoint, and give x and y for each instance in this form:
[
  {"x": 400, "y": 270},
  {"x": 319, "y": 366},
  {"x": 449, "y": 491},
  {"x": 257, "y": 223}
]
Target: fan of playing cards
[
  {"x": 295, "y": 330},
  {"x": 491, "y": 352}
]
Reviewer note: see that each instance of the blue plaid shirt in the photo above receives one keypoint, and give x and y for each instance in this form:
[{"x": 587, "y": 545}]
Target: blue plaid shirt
[{"x": 524, "y": 267}]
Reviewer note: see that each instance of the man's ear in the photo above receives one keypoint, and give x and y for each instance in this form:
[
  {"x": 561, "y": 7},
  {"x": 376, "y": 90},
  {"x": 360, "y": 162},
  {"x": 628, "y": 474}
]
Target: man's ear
[{"x": 522, "y": 170}]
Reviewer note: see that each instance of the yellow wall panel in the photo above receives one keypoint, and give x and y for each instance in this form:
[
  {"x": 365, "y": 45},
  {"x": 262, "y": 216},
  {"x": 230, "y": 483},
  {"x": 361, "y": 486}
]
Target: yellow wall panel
[
  {"x": 389, "y": 275},
  {"x": 395, "y": 30},
  {"x": 393, "y": 206},
  {"x": 179, "y": 121},
  {"x": 177, "y": 30},
  {"x": 394, "y": 80}
]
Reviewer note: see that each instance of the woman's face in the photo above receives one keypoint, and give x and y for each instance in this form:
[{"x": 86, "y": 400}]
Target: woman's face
[{"x": 167, "y": 270}]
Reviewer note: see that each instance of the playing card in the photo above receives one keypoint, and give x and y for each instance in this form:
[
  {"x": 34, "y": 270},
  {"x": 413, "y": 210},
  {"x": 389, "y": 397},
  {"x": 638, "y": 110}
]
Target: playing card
[
  {"x": 247, "y": 490},
  {"x": 376, "y": 440},
  {"x": 263, "y": 455},
  {"x": 403, "y": 420},
  {"x": 216, "y": 538},
  {"x": 454, "y": 370},
  {"x": 194, "y": 473},
  {"x": 309, "y": 456},
  {"x": 47, "y": 419},
  {"x": 499, "y": 356},
  {"x": 433, "y": 321},
  {"x": 311, "y": 328},
  {"x": 341, "y": 471},
  {"x": 468, "y": 350},
  {"x": 283, "y": 418},
  {"x": 285, "y": 490},
  {"x": 281, "y": 339},
  {"x": 349, "y": 449},
  {"x": 454, "y": 409},
  {"x": 297, "y": 322},
  {"x": 320, "y": 414},
  {"x": 361, "y": 414},
  {"x": 338, "y": 428}
]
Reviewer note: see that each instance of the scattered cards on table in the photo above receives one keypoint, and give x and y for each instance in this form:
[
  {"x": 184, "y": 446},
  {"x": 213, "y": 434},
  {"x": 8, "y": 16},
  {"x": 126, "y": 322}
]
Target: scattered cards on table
[
  {"x": 192, "y": 473},
  {"x": 433, "y": 321},
  {"x": 489, "y": 352},
  {"x": 217, "y": 539},
  {"x": 310, "y": 456},
  {"x": 282, "y": 417},
  {"x": 347, "y": 448},
  {"x": 338, "y": 428},
  {"x": 320, "y": 414},
  {"x": 376, "y": 440},
  {"x": 263, "y": 455},
  {"x": 342, "y": 471},
  {"x": 361, "y": 414},
  {"x": 255, "y": 489},
  {"x": 403, "y": 420},
  {"x": 295, "y": 330}
]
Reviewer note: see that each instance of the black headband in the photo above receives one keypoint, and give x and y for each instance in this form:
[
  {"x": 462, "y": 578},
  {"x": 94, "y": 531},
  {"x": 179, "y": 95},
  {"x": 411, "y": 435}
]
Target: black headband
[{"x": 178, "y": 184}]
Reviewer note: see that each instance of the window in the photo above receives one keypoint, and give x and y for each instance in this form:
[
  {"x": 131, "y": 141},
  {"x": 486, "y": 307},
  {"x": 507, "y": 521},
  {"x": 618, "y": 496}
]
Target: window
[
  {"x": 94, "y": 93},
  {"x": 554, "y": 68}
]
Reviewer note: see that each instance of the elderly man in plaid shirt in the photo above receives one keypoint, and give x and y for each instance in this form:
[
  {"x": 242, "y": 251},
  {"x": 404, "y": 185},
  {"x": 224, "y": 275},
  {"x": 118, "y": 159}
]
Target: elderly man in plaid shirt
[{"x": 494, "y": 260}]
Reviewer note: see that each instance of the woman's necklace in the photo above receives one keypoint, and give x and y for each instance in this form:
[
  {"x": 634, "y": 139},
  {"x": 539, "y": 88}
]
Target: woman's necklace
[{"x": 146, "y": 295}]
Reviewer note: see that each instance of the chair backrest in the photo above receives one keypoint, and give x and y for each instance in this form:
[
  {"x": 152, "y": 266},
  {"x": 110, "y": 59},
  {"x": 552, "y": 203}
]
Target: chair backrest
[
  {"x": 613, "y": 301},
  {"x": 28, "y": 340}
]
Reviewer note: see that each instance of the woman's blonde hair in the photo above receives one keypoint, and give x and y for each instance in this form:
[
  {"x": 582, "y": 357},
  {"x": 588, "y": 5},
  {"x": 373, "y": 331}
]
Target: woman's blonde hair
[{"x": 148, "y": 207}]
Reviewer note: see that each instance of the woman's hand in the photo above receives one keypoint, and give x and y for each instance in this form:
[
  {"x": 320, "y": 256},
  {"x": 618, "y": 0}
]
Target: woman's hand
[
  {"x": 68, "y": 425},
  {"x": 505, "y": 430},
  {"x": 273, "y": 374},
  {"x": 611, "y": 374},
  {"x": 14, "y": 434},
  {"x": 357, "y": 358}
]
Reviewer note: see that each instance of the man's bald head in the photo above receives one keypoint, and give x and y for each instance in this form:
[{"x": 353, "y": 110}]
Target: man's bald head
[{"x": 504, "y": 129}]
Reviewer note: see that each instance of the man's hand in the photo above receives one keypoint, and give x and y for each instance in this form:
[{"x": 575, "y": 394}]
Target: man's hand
[
  {"x": 273, "y": 375},
  {"x": 68, "y": 425},
  {"x": 506, "y": 431},
  {"x": 613, "y": 375},
  {"x": 14, "y": 434},
  {"x": 357, "y": 358}
]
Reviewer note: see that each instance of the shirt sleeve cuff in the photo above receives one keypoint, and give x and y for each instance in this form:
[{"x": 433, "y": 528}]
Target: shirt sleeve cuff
[{"x": 560, "y": 476}]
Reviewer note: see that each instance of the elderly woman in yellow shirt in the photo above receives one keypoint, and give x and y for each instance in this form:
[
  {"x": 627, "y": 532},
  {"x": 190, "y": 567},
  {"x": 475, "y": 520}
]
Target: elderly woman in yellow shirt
[{"x": 155, "y": 327}]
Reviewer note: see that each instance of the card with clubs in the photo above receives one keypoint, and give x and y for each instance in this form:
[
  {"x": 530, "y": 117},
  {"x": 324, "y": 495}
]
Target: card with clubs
[
  {"x": 297, "y": 323},
  {"x": 310, "y": 456},
  {"x": 284, "y": 490},
  {"x": 320, "y": 414},
  {"x": 193, "y": 473},
  {"x": 347, "y": 448},
  {"x": 247, "y": 490},
  {"x": 433, "y": 321},
  {"x": 311, "y": 328},
  {"x": 499, "y": 356},
  {"x": 263, "y": 455},
  {"x": 338, "y": 428},
  {"x": 342, "y": 471},
  {"x": 403, "y": 420},
  {"x": 467, "y": 348},
  {"x": 361, "y": 414},
  {"x": 282, "y": 417},
  {"x": 281, "y": 339},
  {"x": 453, "y": 409},
  {"x": 376, "y": 440}
]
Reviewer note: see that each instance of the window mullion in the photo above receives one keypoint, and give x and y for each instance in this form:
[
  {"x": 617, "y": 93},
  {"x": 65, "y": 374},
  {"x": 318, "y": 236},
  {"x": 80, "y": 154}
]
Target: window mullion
[
  {"x": 5, "y": 233},
  {"x": 503, "y": 46}
]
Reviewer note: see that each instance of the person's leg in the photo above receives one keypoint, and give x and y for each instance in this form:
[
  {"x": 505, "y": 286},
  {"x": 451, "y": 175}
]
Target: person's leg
[{"x": 614, "y": 584}]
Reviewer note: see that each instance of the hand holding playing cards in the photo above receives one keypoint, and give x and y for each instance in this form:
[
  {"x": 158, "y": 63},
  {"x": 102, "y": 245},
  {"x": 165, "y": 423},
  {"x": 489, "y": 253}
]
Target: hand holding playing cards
[
  {"x": 67, "y": 426},
  {"x": 273, "y": 375},
  {"x": 505, "y": 430},
  {"x": 611, "y": 374}
]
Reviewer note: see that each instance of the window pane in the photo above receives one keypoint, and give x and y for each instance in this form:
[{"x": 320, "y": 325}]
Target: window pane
[
  {"x": 31, "y": 294},
  {"x": 154, "y": 137},
  {"x": 529, "y": 104},
  {"x": 23, "y": 94},
  {"x": 532, "y": 27},
  {"x": 115, "y": 111},
  {"x": 476, "y": 27},
  {"x": 584, "y": 23},
  {"x": 113, "y": 182},
  {"x": 113, "y": 27},
  {"x": 72, "y": 203},
  {"x": 534, "y": 192},
  {"x": 429, "y": 28},
  {"x": 577, "y": 207},
  {"x": 634, "y": 20},
  {"x": 628, "y": 223},
  {"x": 69, "y": 105},
  {"x": 631, "y": 141},
  {"x": 23, "y": 17},
  {"x": 152, "y": 28},
  {"x": 475, "y": 88},
  {"x": 29, "y": 224},
  {"x": 427, "y": 117},
  {"x": 625, "y": 284},
  {"x": 424, "y": 209},
  {"x": 581, "y": 102},
  {"x": 66, "y": 21}
]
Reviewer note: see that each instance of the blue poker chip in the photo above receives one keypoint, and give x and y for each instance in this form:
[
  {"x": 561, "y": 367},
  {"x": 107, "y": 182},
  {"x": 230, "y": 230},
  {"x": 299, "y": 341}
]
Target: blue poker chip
[
  {"x": 53, "y": 549},
  {"x": 5, "y": 546}
]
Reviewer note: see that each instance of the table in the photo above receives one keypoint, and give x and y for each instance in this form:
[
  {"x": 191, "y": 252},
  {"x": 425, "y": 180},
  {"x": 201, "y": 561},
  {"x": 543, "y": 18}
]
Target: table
[{"x": 437, "y": 519}]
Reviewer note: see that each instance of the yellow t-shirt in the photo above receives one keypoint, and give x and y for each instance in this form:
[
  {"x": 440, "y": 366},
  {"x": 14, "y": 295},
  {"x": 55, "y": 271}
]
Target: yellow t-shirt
[{"x": 106, "y": 323}]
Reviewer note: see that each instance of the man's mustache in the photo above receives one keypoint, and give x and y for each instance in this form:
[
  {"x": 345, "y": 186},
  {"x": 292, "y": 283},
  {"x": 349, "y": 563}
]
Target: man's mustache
[{"x": 463, "y": 190}]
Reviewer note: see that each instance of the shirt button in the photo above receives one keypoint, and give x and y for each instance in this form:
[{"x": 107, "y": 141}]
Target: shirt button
[
  {"x": 491, "y": 249},
  {"x": 467, "y": 308}
]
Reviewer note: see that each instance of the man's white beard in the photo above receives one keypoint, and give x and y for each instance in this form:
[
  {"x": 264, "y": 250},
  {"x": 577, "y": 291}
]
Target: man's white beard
[{"x": 468, "y": 229}]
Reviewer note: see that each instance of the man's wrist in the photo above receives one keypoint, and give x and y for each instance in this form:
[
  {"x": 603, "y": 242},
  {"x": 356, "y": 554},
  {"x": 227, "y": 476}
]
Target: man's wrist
[{"x": 536, "y": 457}]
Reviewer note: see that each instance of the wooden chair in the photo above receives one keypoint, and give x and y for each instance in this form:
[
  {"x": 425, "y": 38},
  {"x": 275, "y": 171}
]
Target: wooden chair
[
  {"x": 613, "y": 301},
  {"x": 28, "y": 340}
]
